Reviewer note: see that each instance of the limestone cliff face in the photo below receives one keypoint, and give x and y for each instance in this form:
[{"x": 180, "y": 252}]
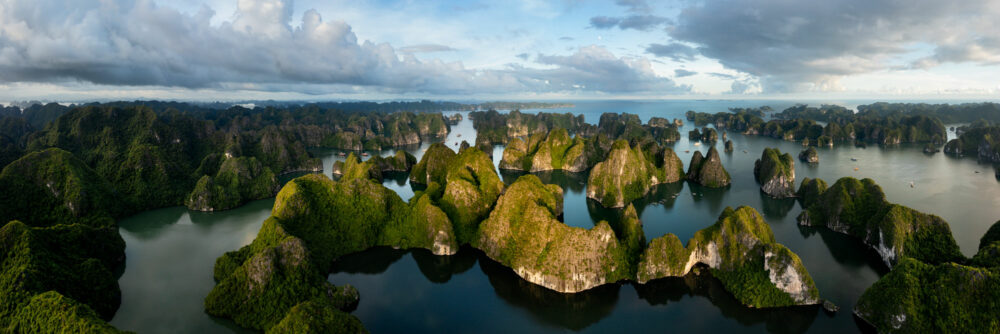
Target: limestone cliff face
[
  {"x": 629, "y": 172},
  {"x": 708, "y": 170},
  {"x": 809, "y": 155},
  {"x": 916, "y": 296},
  {"x": 556, "y": 150},
  {"x": 776, "y": 173},
  {"x": 859, "y": 208},
  {"x": 433, "y": 166},
  {"x": 524, "y": 234},
  {"x": 738, "y": 246}
]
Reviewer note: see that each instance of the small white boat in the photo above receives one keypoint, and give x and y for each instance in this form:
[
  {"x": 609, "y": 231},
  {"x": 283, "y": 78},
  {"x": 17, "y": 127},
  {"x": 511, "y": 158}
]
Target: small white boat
[{"x": 697, "y": 143}]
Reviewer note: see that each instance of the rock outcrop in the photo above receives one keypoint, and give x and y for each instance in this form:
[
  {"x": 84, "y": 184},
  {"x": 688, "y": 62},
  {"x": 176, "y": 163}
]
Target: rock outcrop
[
  {"x": 557, "y": 150},
  {"x": 401, "y": 162},
  {"x": 314, "y": 221},
  {"x": 524, "y": 234},
  {"x": 741, "y": 251},
  {"x": 776, "y": 173},
  {"x": 708, "y": 170},
  {"x": 629, "y": 172},
  {"x": 237, "y": 181},
  {"x": 859, "y": 208},
  {"x": 809, "y": 155},
  {"x": 729, "y": 146}
]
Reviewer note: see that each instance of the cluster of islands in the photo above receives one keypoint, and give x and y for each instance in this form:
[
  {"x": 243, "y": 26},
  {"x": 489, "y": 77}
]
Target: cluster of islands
[{"x": 71, "y": 172}]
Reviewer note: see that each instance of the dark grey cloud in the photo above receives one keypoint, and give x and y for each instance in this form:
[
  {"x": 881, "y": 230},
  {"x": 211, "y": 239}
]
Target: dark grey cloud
[
  {"x": 675, "y": 51},
  {"x": 802, "y": 45},
  {"x": 139, "y": 43},
  {"x": 424, "y": 48},
  {"x": 643, "y": 22},
  {"x": 680, "y": 73}
]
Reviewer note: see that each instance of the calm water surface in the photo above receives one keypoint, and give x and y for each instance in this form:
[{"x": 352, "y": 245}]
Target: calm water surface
[{"x": 171, "y": 251}]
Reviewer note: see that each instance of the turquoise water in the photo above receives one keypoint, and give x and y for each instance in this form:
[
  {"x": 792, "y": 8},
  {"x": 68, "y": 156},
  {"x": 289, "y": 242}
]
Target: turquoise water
[{"x": 171, "y": 251}]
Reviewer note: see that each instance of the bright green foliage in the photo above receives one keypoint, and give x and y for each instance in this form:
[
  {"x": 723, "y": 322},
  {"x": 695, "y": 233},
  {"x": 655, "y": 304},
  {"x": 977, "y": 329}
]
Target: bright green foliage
[
  {"x": 74, "y": 260},
  {"x": 352, "y": 168},
  {"x": 471, "y": 189},
  {"x": 51, "y": 312},
  {"x": 523, "y": 233},
  {"x": 742, "y": 253},
  {"x": 859, "y": 208},
  {"x": 238, "y": 180},
  {"x": 628, "y": 173},
  {"x": 433, "y": 166},
  {"x": 54, "y": 187},
  {"x": 665, "y": 257},
  {"x": 809, "y": 191},
  {"x": 992, "y": 235},
  {"x": 315, "y": 317},
  {"x": 921, "y": 298},
  {"x": 554, "y": 151},
  {"x": 707, "y": 170},
  {"x": 315, "y": 221},
  {"x": 776, "y": 173}
]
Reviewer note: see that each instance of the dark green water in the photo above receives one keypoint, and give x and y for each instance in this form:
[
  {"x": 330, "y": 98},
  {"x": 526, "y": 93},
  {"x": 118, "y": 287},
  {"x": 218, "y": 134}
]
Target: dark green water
[{"x": 171, "y": 251}]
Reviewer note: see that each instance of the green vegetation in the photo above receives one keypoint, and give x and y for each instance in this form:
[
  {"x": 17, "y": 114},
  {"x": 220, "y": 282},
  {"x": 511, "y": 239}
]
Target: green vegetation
[
  {"x": 916, "y": 297},
  {"x": 859, "y": 208},
  {"x": 776, "y": 173},
  {"x": 493, "y": 127},
  {"x": 809, "y": 191},
  {"x": 75, "y": 261},
  {"x": 313, "y": 317},
  {"x": 628, "y": 173},
  {"x": 51, "y": 312},
  {"x": 555, "y": 151},
  {"x": 238, "y": 180},
  {"x": 798, "y": 123},
  {"x": 53, "y": 187},
  {"x": 523, "y": 233},
  {"x": 809, "y": 155},
  {"x": 316, "y": 220},
  {"x": 981, "y": 142},
  {"x": 433, "y": 166},
  {"x": 471, "y": 188},
  {"x": 742, "y": 253},
  {"x": 708, "y": 170}
]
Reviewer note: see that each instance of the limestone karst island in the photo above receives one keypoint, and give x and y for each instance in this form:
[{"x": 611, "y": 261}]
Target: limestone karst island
[{"x": 596, "y": 166}]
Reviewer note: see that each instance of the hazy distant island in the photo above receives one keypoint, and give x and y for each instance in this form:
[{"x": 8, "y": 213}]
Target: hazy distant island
[{"x": 71, "y": 172}]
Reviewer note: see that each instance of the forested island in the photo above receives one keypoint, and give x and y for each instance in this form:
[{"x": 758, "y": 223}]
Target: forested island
[{"x": 66, "y": 181}]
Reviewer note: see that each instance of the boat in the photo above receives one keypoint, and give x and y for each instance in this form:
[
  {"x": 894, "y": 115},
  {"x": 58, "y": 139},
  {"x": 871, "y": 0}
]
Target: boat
[
  {"x": 458, "y": 135},
  {"x": 687, "y": 151},
  {"x": 853, "y": 159},
  {"x": 697, "y": 143},
  {"x": 855, "y": 169},
  {"x": 341, "y": 154},
  {"x": 911, "y": 184},
  {"x": 365, "y": 154}
]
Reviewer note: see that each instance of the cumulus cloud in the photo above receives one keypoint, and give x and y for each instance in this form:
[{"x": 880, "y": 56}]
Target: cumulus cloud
[
  {"x": 675, "y": 51},
  {"x": 140, "y": 43},
  {"x": 808, "y": 45},
  {"x": 680, "y": 73}
]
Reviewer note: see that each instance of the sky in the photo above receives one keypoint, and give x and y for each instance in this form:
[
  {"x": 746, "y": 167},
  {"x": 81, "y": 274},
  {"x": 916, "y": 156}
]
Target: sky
[{"x": 487, "y": 50}]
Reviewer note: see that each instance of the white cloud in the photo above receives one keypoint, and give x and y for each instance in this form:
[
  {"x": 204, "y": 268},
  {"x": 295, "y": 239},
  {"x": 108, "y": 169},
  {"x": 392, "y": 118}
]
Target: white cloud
[{"x": 139, "y": 43}]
